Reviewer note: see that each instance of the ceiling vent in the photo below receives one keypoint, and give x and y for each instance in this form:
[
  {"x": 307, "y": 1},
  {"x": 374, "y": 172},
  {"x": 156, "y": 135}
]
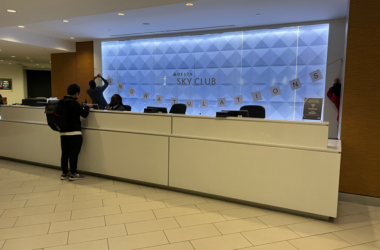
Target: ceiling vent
[{"x": 175, "y": 31}]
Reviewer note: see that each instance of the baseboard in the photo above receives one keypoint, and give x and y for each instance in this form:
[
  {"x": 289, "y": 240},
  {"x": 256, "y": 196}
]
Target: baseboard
[{"x": 360, "y": 199}]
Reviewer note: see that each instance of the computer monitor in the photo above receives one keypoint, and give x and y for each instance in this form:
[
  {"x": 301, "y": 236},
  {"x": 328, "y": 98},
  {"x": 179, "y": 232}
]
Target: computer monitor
[
  {"x": 32, "y": 101},
  {"x": 232, "y": 113},
  {"x": 94, "y": 105},
  {"x": 156, "y": 110}
]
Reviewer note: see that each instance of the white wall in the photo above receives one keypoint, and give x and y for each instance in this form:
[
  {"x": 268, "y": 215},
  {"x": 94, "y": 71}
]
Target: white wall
[{"x": 19, "y": 87}]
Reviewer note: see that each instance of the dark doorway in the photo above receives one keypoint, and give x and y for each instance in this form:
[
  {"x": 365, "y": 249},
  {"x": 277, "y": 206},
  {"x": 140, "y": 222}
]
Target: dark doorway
[{"x": 39, "y": 83}]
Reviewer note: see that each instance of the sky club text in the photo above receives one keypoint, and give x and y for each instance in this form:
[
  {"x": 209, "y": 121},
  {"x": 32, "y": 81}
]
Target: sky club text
[{"x": 197, "y": 81}]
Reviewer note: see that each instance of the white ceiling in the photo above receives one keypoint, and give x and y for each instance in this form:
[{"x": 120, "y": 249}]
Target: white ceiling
[{"x": 98, "y": 19}]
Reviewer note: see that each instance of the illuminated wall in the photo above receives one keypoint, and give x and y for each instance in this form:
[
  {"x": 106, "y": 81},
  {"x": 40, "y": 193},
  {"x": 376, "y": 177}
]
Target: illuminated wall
[{"x": 227, "y": 64}]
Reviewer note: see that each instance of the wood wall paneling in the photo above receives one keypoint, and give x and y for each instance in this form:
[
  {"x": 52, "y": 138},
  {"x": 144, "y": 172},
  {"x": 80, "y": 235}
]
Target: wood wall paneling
[
  {"x": 85, "y": 67},
  {"x": 63, "y": 73},
  {"x": 360, "y": 133}
]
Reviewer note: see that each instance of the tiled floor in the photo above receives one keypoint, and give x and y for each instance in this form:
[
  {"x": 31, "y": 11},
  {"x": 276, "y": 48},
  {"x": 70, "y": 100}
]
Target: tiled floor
[{"x": 38, "y": 211}]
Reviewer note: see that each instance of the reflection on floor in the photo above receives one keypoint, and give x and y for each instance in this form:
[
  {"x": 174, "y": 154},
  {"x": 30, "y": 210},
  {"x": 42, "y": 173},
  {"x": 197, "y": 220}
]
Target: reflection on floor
[{"x": 39, "y": 211}]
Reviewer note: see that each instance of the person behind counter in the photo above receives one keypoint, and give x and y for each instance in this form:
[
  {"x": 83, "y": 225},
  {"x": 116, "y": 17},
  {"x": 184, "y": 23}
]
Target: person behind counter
[
  {"x": 116, "y": 103},
  {"x": 71, "y": 141},
  {"x": 334, "y": 94},
  {"x": 96, "y": 93},
  {"x": 1, "y": 100}
]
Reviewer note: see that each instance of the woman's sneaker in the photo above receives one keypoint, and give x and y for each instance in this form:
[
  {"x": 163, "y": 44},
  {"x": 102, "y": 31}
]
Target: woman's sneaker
[
  {"x": 65, "y": 176},
  {"x": 76, "y": 177}
]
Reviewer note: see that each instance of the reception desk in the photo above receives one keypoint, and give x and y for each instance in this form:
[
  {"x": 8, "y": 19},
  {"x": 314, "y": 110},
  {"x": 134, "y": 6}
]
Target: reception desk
[{"x": 284, "y": 164}]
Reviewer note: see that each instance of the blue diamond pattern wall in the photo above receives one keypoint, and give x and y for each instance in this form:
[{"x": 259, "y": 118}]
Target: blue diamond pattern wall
[{"x": 221, "y": 66}]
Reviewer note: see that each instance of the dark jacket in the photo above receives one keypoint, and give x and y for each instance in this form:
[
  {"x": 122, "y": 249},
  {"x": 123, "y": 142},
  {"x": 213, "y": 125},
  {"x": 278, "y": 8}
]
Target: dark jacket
[
  {"x": 116, "y": 107},
  {"x": 73, "y": 112},
  {"x": 96, "y": 94}
]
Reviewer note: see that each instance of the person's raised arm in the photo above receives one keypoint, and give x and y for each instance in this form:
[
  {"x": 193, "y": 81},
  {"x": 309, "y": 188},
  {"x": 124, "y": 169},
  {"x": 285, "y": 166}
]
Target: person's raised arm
[
  {"x": 83, "y": 110},
  {"x": 105, "y": 83}
]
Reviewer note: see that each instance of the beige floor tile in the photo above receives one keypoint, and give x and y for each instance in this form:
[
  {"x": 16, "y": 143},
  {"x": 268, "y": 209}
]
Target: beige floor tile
[
  {"x": 41, "y": 183},
  {"x": 176, "y": 211},
  {"x": 36, "y": 242},
  {"x": 217, "y": 206},
  {"x": 184, "y": 201},
  {"x": 198, "y": 219},
  {"x": 8, "y": 197},
  {"x": 71, "y": 225},
  {"x": 13, "y": 175},
  {"x": 270, "y": 235},
  {"x": 33, "y": 195},
  {"x": 129, "y": 217},
  {"x": 78, "y": 205},
  {"x": 88, "y": 197},
  {"x": 94, "y": 212},
  {"x": 1, "y": 211},
  {"x": 319, "y": 242},
  {"x": 43, "y": 218},
  {"x": 2, "y": 243},
  {"x": 311, "y": 228},
  {"x": 361, "y": 247},
  {"x": 132, "y": 192},
  {"x": 120, "y": 187},
  {"x": 12, "y": 204},
  {"x": 91, "y": 183},
  {"x": 374, "y": 215},
  {"x": 191, "y": 233},
  {"x": 7, "y": 222},
  {"x": 124, "y": 200},
  {"x": 281, "y": 219},
  {"x": 376, "y": 244},
  {"x": 353, "y": 221},
  {"x": 65, "y": 186},
  {"x": 28, "y": 211},
  {"x": 142, "y": 206},
  {"x": 225, "y": 242},
  {"x": 176, "y": 246},
  {"x": 96, "y": 233},
  {"x": 241, "y": 213},
  {"x": 236, "y": 226},
  {"x": 23, "y": 179},
  {"x": 151, "y": 226},
  {"x": 4, "y": 171},
  {"x": 5, "y": 191},
  {"x": 164, "y": 196},
  {"x": 357, "y": 209},
  {"x": 19, "y": 232},
  {"x": 10, "y": 185},
  {"x": 341, "y": 213},
  {"x": 137, "y": 241},
  {"x": 359, "y": 235},
  {"x": 92, "y": 245},
  {"x": 273, "y": 246},
  {"x": 92, "y": 190},
  {"x": 48, "y": 201}
]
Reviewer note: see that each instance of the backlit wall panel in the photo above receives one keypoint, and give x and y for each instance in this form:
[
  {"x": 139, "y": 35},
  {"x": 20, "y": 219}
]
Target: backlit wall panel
[{"x": 225, "y": 65}]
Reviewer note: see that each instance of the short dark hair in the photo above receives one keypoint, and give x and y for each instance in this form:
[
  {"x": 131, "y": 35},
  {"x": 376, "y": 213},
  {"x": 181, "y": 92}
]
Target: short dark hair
[
  {"x": 73, "y": 89},
  {"x": 120, "y": 99},
  {"x": 92, "y": 84}
]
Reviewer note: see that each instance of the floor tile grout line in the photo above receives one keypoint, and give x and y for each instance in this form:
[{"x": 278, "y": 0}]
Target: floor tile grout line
[{"x": 292, "y": 244}]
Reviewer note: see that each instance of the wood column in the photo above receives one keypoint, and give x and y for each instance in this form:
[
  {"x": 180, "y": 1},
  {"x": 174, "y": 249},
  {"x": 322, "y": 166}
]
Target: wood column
[
  {"x": 69, "y": 68},
  {"x": 360, "y": 133}
]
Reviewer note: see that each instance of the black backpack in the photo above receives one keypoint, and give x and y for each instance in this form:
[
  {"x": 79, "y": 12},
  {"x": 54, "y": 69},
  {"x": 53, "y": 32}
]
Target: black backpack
[{"x": 56, "y": 115}]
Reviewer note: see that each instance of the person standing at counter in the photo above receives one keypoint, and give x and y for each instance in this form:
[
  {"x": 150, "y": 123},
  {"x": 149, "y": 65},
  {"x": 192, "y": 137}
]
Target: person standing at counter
[
  {"x": 116, "y": 103},
  {"x": 71, "y": 140},
  {"x": 96, "y": 93},
  {"x": 1, "y": 100}
]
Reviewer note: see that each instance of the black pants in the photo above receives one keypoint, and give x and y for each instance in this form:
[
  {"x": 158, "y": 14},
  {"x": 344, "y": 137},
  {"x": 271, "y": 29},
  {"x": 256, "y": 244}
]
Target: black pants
[{"x": 70, "y": 145}]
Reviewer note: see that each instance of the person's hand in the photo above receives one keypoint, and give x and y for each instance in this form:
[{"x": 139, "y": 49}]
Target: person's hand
[
  {"x": 89, "y": 105},
  {"x": 95, "y": 77},
  {"x": 99, "y": 75},
  {"x": 108, "y": 108}
]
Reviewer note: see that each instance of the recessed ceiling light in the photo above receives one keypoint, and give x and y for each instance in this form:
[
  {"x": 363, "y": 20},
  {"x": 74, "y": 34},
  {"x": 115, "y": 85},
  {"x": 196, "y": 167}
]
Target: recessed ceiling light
[
  {"x": 11, "y": 11},
  {"x": 10, "y": 63},
  {"x": 21, "y": 26},
  {"x": 37, "y": 64},
  {"x": 65, "y": 21},
  {"x": 71, "y": 37},
  {"x": 146, "y": 23},
  {"x": 1, "y": 60},
  {"x": 121, "y": 14},
  {"x": 13, "y": 56},
  {"x": 189, "y": 4}
]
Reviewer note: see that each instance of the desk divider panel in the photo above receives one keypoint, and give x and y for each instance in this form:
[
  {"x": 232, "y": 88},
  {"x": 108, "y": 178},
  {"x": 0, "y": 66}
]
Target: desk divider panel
[{"x": 300, "y": 134}]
